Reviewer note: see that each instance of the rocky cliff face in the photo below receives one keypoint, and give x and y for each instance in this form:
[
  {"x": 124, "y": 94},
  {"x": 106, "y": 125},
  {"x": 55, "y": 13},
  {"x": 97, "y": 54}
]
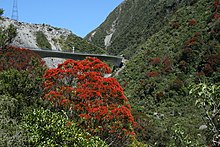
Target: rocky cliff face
[
  {"x": 27, "y": 34},
  {"x": 44, "y": 36}
]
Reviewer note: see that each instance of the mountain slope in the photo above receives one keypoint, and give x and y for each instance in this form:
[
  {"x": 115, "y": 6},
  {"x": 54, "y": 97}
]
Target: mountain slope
[
  {"x": 185, "y": 51},
  {"x": 132, "y": 22},
  {"x": 171, "y": 44},
  {"x": 48, "y": 37}
]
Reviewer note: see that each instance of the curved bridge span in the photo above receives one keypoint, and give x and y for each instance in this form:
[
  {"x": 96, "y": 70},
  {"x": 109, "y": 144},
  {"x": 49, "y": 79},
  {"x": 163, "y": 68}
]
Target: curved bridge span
[{"x": 117, "y": 61}]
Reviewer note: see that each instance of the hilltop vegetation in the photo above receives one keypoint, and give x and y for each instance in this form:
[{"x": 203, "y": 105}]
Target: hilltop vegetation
[
  {"x": 73, "y": 42},
  {"x": 42, "y": 41},
  {"x": 133, "y": 22}
]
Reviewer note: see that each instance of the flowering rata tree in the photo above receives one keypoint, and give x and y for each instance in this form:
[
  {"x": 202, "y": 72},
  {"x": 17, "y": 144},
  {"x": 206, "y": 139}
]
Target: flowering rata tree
[
  {"x": 21, "y": 59},
  {"x": 97, "y": 103}
]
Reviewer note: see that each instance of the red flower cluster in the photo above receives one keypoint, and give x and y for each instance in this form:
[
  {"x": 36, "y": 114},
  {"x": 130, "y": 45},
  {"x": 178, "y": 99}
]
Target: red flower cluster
[
  {"x": 80, "y": 86},
  {"x": 192, "y": 22},
  {"x": 216, "y": 8},
  {"x": 190, "y": 42},
  {"x": 216, "y": 16},
  {"x": 155, "y": 61},
  {"x": 152, "y": 74},
  {"x": 19, "y": 58},
  {"x": 216, "y": 4},
  {"x": 167, "y": 66}
]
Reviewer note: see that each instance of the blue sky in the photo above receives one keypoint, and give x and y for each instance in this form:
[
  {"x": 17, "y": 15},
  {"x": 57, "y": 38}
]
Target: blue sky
[{"x": 79, "y": 16}]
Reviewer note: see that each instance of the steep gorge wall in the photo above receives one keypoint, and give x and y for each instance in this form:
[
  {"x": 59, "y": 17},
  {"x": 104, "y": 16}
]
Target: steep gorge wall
[{"x": 132, "y": 23}]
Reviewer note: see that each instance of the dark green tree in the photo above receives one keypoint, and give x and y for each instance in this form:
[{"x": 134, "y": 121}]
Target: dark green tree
[
  {"x": 1, "y": 12},
  {"x": 7, "y": 35}
]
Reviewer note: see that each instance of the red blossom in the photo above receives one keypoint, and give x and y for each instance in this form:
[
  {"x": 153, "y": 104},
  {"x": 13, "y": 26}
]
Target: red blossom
[
  {"x": 216, "y": 4},
  {"x": 82, "y": 87},
  {"x": 155, "y": 61},
  {"x": 68, "y": 124},
  {"x": 192, "y": 22},
  {"x": 86, "y": 116},
  {"x": 190, "y": 42},
  {"x": 216, "y": 16},
  {"x": 20, "y": 59},
  {"x": 153, "y": 74},
  {"x": 166, "y": 61}
]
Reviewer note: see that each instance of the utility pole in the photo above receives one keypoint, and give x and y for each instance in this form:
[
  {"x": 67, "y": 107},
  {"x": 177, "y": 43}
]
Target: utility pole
[{"x": 15, "y": 10}]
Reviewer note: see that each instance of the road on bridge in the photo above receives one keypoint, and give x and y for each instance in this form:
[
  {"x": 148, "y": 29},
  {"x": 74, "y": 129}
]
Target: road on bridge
[{"x": 116, "y": 60}]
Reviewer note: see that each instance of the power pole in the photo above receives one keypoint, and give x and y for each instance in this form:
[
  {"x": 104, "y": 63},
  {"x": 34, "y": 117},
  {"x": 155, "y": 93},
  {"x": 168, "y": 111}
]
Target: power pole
[{"x": 15, "y": 10}]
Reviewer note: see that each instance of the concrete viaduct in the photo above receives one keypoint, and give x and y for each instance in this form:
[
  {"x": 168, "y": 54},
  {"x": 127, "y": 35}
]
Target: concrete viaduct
[{"x": 116, "y": 60}]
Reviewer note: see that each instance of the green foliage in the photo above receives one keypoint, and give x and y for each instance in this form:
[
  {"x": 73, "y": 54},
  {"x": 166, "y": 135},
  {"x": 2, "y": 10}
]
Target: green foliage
[
  {"x": 46, "y": 128},
  {"x": 79, "y": 45},
  {"x": 180, "y": 138},
  {"x": 20, "y": 88},
  {"x": 156, "y": 79},
  {"x": 42, "y": 41},
  {"x": 14, "y": 82},
  {"x": 10, "y": 132},
  {"x": 7, "y": 35},
  {"x": 21, "y": 78},
  {"x": 23, "y": 88},
  {"x": 1, "y": 12},
  {"x": 135, "y": 22},
  {"x": 208, "y": 98}
]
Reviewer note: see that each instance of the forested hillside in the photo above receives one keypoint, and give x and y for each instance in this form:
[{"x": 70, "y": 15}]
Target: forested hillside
[
  {"x": 177, "y": 54},
  {"x": 132, "y": 22}
]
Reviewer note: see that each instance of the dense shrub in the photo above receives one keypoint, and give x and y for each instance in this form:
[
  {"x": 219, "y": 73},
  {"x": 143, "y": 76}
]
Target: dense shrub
[
  {"x": 21, "y": 73},
  {"x": 45, "y": 128},
  {"x": 208, "y": 98},
  {"x": 1, "y": 11},
  {"x": 97, "y": 103},
  {"x": 187, "y": 45},
  {"x": 21, "y": 59},
  {"x": 181, "y": 138},
  {"x": 21, "y": 76},
  {"x": 7, "y": 35},
  {"x": 10, "y": 132},
  {"x": 79, "y": 45},
  {"x": 22, "y": 87}
]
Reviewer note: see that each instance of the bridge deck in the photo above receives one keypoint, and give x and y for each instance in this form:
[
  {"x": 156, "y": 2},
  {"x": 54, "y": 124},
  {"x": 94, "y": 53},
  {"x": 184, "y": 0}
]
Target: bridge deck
[{"x": 117, "y": 61}]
